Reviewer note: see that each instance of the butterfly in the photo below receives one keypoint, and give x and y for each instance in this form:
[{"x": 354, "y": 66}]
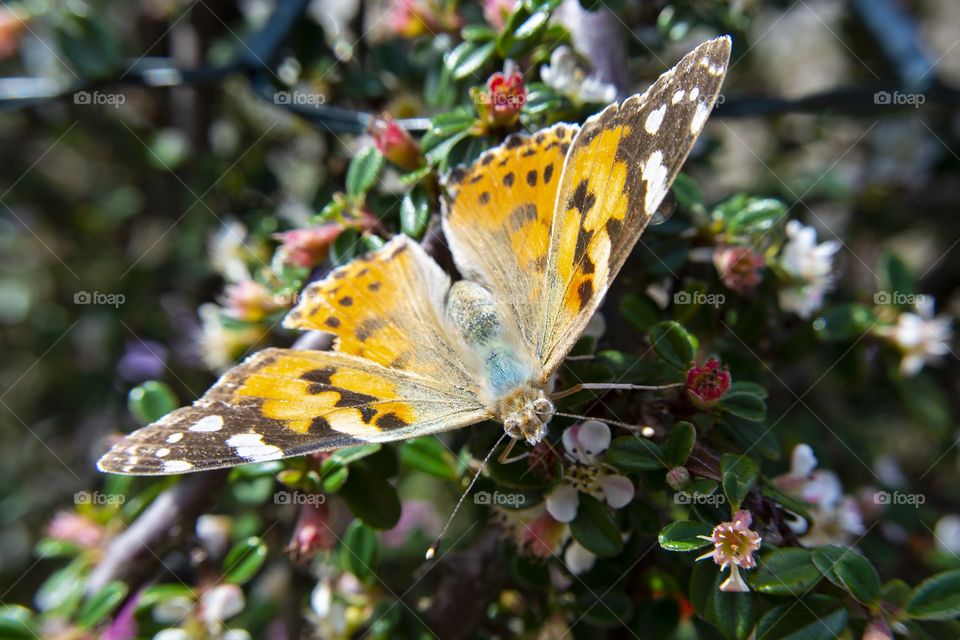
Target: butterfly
[{"x": 538, "y": 227}]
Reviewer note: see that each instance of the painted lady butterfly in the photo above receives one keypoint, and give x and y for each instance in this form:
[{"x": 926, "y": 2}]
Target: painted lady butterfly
[{"x": 538, "y": 227}]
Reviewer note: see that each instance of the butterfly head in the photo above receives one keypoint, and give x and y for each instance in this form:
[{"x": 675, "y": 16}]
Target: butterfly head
[{"x": 525, "y": 413}]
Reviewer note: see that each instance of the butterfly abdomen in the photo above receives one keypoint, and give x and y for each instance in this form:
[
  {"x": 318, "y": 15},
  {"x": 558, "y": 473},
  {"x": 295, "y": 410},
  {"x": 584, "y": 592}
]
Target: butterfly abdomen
[{"x": 487, "y": 334}]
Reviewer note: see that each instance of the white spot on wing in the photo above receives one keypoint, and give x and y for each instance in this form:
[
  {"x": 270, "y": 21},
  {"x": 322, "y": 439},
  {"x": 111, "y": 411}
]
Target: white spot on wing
[
  {"x": 208, "y": 423},
  {"x": 176, "y": 466},
  {"x": 252, "y": 447},
  {"x": 700, "y": 117},
  {"x": 655, "y": 175},
  {"x": 694, "y": 94},
  {"x": 174, "y": 438},
  {"x": 162, "y": 453},
  {"x": 655, "y": 118},
  {"x": 677, "y": 97}
]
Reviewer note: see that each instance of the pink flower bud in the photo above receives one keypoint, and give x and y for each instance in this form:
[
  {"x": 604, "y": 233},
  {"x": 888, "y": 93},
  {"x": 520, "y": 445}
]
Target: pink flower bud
[
  {"x": 738, "y": 267},
  {"x": 708, "y": 383},
  {"x": 312, "y": 533},
  {"x": 395, "y": 143}
]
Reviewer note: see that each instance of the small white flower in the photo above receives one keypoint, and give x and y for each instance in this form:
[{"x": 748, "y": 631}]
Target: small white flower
[
  {"x": 219, "y": 604},
  {"x": 810, "y": 265},
  {"x": 578, "y": 558},
  {"x": 585, "y": 444},
  {"x": 836, "y": 517},
  {"x": 227, "y": 251},
  {"x": 921, "y": 337},
  {"x": 172, "y": 634},
  {"x": 565, "y": 76},
  {"x": 946, "y": 533}
]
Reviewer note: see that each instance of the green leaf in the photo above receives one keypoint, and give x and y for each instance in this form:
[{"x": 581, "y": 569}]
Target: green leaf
[
  {"x": 936, "y": 598},
  {"x": 739, "y": 474},
  {"x": 850, "y": 571},
  {"x": 749, "y": 387},
  {"x": 757, "y": 217},
  {"x": 363, "y": 172},
  {"x": 687, "y": 192},
  {"x": 684, "y": 535},
  {"x": 744, "y": 405},
  {"x": 532, "y": 26},
  {"x": 414, "y": 214},
  {"x": 101, "y": 604},
  {"x": 736, "y": 613},
  {"x": 477, "y": 33},
  {"x": 595, "y": 529},
  {"x": 844, "y": 322},
  {"x": 344, "y": 247},
  {"x": 358, "y": 452},
  {"x": 16, "y": 623},
  {"x": 640, "y": 311},
  {"x": 814, "y": 618},
  {"x": 632, "y": 453},
  {"x": 151, "y": 401},
  {"x": 795, "y": 505},
  {"x": 244, "y": 560},
  {"x": 371, "y": 497},
  {"x": 785, "y": 572},
  {"x": 607, "y": 608},
  {"x": 428, "y": 455},
  {"x": 673, "y": 344},
  {"x": 474, "y": 59},
  {"x": 333, "y": 473},
  {"x": 896, "y": 284},
  {"x": 161, "y": 593},
  {"x": 679, "y": 444},
  {"x": 360, "y": 551}
]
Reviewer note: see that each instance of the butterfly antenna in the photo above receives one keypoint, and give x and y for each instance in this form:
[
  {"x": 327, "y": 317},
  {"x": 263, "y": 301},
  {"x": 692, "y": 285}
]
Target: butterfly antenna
[
  {"x": 432, "y": 551},
  {"x": 646, "y": 432}
]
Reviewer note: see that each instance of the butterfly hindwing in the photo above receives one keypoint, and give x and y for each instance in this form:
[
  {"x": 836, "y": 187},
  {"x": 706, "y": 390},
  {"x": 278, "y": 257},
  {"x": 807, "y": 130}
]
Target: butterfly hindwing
[
  {"x": 281, "y": 403},
  {"x": 618, "y": 170},
  {"x": 387, "y": 307},
  {"x": 498, "y": 222}
]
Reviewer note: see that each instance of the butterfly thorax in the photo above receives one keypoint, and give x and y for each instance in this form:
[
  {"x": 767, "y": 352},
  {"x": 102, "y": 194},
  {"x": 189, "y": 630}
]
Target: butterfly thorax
[{"x": 509, "y": 376}]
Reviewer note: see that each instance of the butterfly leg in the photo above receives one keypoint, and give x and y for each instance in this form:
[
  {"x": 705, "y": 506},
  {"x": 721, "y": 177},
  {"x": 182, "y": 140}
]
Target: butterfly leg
[
  {"x": 503, "y": 457},
  {"x": 612, "y": 386}
]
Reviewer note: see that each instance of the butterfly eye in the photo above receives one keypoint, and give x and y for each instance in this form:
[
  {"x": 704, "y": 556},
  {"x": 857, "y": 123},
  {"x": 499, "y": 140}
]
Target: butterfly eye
[
  {"x": 512, "y": 427},
  {"x": 543, "y": 407}
]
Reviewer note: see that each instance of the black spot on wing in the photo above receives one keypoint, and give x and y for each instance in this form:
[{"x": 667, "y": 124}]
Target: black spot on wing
[
  {"x": 581, "y": 199},
  {"x": 390, "y": 421}
]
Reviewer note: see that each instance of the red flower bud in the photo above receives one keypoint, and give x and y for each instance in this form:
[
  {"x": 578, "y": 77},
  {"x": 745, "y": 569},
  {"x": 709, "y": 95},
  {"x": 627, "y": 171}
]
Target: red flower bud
[
  {"x": 499, "y": 105},
  {"x": 706, "y": 384}
]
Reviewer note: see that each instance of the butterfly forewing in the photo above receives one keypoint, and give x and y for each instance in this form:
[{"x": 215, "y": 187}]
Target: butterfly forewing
[
  {"x": 617, "y": 171},
  {"x": 498, "y": 222}
]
